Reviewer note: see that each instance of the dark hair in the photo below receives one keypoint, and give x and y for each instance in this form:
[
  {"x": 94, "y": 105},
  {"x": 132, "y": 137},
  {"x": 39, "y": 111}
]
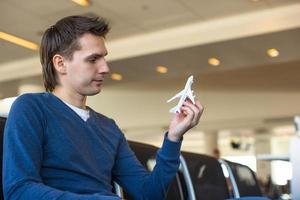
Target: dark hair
[{"x": 63, "y": 38}]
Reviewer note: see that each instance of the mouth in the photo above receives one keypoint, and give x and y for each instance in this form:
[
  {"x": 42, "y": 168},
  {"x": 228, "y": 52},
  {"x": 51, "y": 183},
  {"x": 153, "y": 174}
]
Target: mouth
[{"x": 98, "y": 82}]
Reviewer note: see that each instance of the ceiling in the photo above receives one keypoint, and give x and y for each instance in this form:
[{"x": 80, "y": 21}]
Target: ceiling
[
  {"x": 238, "y": 56},
  {"x": 28, "y": 19}
]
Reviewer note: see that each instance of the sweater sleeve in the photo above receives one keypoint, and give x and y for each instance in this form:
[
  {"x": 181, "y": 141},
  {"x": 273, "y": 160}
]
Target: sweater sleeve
[
  {"x": 137, "y": 181},
  {"x": 23, "y": 156}
]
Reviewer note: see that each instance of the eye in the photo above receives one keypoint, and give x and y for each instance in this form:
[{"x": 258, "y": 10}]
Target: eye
[{"x": 92, "y": 60}]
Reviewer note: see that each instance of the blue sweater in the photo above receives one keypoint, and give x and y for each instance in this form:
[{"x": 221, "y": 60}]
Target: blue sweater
[{"x": 51, "y": 153}]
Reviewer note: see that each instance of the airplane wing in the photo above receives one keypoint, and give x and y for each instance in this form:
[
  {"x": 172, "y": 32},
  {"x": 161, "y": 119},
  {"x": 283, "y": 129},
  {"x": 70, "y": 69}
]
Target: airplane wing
[
  {"x": 177, "y": 107},
  {"x": 178, "y": 95}
]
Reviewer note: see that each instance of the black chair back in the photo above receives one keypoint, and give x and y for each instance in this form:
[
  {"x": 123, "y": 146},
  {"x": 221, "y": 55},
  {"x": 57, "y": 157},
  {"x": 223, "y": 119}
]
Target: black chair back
[
  {"x": 245, "y": 179},
  {"x": 207, "y": 177},
  {"x": 146, "y": 153}
]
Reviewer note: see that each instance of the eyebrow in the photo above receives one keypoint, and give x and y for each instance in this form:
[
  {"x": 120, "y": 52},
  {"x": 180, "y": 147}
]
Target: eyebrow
[{"x": 96, "y": 55}]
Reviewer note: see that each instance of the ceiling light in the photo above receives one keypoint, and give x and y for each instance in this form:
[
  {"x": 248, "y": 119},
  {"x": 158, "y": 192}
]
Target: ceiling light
[
  {"x": 214, "y": 61},
  {"x": 116, "y": 77},
  {"x": 273, "y": 52},
  {"x": 18, "y": 41},
  {"x": 161, "y": 69},
  {"x": 83, "y": 3}
]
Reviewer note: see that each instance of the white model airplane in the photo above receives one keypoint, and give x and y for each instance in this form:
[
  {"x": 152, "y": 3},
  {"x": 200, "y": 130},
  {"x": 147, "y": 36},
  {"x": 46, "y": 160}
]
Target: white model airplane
[{"x": 187, "y": 92}]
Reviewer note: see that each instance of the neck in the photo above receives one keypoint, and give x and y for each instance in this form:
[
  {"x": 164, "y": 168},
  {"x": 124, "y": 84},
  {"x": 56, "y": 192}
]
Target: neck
[{"x": 74, "y": 99}]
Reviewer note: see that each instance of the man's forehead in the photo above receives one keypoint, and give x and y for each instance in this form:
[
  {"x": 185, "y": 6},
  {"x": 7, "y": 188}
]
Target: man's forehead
[
  {"x": 89, "y": 42},
  {"x": 88, "y": 37}
]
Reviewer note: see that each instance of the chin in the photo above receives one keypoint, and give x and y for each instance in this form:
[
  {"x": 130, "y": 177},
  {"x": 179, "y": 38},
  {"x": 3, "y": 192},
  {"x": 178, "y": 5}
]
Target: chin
[{"x": 92, "y": 93}]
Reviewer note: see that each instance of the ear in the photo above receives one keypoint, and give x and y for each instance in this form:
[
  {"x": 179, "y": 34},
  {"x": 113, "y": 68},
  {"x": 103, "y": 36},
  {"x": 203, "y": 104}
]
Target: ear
[{"x": 59, "y": 64}]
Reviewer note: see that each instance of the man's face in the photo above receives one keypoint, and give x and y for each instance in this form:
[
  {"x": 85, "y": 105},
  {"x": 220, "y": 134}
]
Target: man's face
[{"x": 85, "y": 71}]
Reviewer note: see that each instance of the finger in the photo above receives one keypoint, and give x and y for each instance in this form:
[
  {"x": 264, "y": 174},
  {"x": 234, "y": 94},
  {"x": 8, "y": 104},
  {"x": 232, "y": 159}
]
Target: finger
[
  {"x": 196, "y": 111},
  {"x": 191, "y": 105},
  {"x": 199, "y": 105},
  {"x": 189, "y": 100},
  {"x": 189, "y": 114},
  {"x": 201, "y": 109}
]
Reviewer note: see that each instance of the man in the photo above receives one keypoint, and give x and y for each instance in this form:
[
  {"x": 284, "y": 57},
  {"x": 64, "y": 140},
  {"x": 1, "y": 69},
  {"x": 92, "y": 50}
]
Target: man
[{"x": 56, "y": 147}]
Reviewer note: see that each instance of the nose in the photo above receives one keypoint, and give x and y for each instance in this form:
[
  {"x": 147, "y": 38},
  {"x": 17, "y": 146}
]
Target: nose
[{"x": 103, "y": 67}]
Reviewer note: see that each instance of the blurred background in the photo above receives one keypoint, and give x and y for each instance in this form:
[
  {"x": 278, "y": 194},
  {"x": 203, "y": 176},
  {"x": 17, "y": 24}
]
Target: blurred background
[{"x": 244, "y": 55}]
